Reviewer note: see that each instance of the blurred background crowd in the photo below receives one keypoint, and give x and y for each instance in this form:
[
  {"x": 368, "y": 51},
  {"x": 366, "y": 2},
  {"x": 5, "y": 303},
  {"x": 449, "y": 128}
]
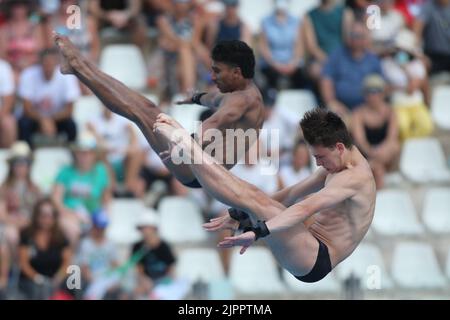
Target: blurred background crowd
[{"x": 80, "y": 186}]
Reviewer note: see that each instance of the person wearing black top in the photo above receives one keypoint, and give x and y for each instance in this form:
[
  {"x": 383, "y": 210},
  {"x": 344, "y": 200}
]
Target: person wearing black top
[{"x": 44, "y": 253}]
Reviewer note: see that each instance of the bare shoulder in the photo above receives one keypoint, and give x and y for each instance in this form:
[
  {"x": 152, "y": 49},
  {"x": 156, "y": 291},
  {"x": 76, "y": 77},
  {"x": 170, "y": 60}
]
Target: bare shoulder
[{"x": 248, "y": 98}]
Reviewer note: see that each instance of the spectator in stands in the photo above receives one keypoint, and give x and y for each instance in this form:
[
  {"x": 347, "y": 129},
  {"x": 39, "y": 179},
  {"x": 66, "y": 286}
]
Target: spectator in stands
[
  {"x": 230, "y": 27},
  {"x": 18, "y": 193},
  {"x": 324, "y": 29},
  {"x": 5, "y": 262},
  {"x": 181, "y": 40},
  {"x": 392, "y": 23},
  {"x": 282, "y": 49},
  {"x": 410, "y": 9},
  {"x": 44, "y": 253},
  {"x": 97, "y": 257},
  {"x": 433, "y": 27},
  {"x": 359, "y": 8},
  {"x": 157, "y": 260},
  {"x": 20, "y": 37},
  {"x": 8, "y": 124},
  {"x": 375, "y": 129},
  {"x": 48, "y": 98},
  {"x": 405, "y": 70},
  {"x": 345, "y": 71},
  {"x": 299, "y": 169},
  {"x": 117, "y": 139},
  {"x": 152, "y": 9},
  {"x": 81, "y": 188},
  {"x": 123, "y": 15},
  {"x": 85, "y": 37}
]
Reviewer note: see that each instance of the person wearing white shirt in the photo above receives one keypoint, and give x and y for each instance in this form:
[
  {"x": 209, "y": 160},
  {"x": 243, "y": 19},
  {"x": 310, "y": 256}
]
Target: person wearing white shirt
[
  {"x": 8, "y": 125},
  {"x": 299, "y": 168},
  {"x": 48, "y": 98},
  {"x": 118, "y": 140}
]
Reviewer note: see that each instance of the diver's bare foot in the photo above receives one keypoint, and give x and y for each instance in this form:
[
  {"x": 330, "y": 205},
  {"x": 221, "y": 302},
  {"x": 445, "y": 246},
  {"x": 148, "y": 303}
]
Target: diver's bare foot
[{"x": 69, "y": 53}]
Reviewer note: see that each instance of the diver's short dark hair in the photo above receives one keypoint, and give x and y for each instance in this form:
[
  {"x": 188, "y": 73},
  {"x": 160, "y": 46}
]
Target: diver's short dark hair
[
  {"x": 324, "y": 128},
  {"x": 237, "y": 54}
]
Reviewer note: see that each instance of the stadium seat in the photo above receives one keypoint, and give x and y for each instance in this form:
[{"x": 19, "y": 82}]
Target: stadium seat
[
  {"x": 293, "y": 104},
  {"x": 122, "y": 227},
  {"x": 423, "y": 161},
  {"x": 85, "y": 109},
  {"x": 46, "y": 166},
  {"x": 199, "y": 264},
  {"x": 255, "y": 272},
  {"x": 440, "y": 109},
  {"x": 329, "y": 284},
  {"x": 436, "y": 210},
  {"x": 415, "y": 266},
  {"x": 181, "y": 221},
  {"x": 366, "y": 263},
  {"x": 300, "y": 8},
  {"x": 187, "y": 115},
  {"x": 253, "y": 12},
  {"x": 395, "y": 214},
  {"x": 125, "y": 63}
]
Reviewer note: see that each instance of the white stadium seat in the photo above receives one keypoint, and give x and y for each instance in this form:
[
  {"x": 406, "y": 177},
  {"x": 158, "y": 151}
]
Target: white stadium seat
[
  {"x": 125, "y": 63},
  {"x": 415, "y": 266},
  {"x": 199, "y": 264},
  {"x": 440, "y": 109},
  {"x": 395, "y": 214},
  {"x": 85, "y": 109},
  {"x": 187, "y": 115},
  {"x": 436, "y": 210},
  {"x": 123, "y": 216},
  {"x": 298, "y": 8},
  {"x": 255, "y": 272},
  {"x": 46, "y": 166},
  {"x": 181, "y": 221},
  {"x": 423, "y": 161},
  {"x": 366, "y": 263},
  {"x": 253, "y": 12}
]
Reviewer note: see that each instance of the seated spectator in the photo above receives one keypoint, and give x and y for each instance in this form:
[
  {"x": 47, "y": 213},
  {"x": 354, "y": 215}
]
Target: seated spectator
[
  {"x": 281, "y": 48},
  {"x": 81, "y": 188},
  {"x": 117, "y": 139},
  {"x": 5, "y": 265},
  {"x": 123, "y": 15},
  {"x": 8, "y": 124},
  {"x": 181, "y": 39},
  {"x": 405, "y": 70},
  {"x": 152, "y": 9},
  {"x": 359, "y": 8},
  {"x": 229, "y": 27},
  {"x": 432, "y": 26},
  {"x": 324, "y": 29},
  {"x": 20, "y": 37},
  {"x": 44, "y": 253},
  {"x": 375, "y": 129},
  {"x": 18, "y": 193},
  {"x": 84, "y": 37},
  {"x": 157, "y": 261},
  {"x": 345, "y": 71},
  {"x": 48, "y": 98},
  {"x": 97, "y": 257},
  {"x": 392, "y": 23},
  {"x": 298, "y": 170}
]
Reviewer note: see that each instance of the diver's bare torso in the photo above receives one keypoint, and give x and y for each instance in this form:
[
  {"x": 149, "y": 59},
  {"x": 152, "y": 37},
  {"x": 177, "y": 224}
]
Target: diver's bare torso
[{"x": 343, "y": 227}]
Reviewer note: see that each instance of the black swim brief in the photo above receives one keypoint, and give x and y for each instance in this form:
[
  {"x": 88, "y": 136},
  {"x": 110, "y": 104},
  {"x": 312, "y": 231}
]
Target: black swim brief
[
  {"x": 194, "y": 184},
  {"x": 321, "y": 268}
]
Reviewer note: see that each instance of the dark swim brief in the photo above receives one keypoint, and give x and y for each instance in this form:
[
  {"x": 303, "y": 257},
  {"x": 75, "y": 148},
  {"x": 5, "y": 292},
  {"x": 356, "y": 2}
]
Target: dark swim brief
[
  {"x": 193, "y": 184},
  {"x": 321, "y": 268}
]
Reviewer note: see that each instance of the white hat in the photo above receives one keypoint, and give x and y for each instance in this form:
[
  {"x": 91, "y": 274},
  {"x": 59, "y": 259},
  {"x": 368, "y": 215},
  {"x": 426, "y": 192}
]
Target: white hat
[
  {"x": 85, "y": 141},
  {"x": 20, "y": 149},
  {"x": 406, "y": 40},
  {"x": 282, "y": 5},
  {"x": 147, "y": 218}
]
